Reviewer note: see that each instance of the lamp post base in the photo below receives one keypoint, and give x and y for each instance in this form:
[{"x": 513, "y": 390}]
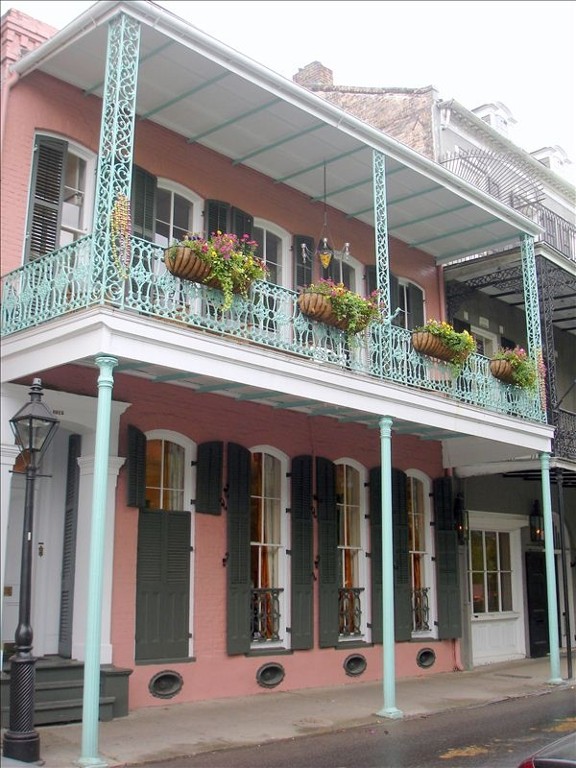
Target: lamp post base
[
  {"x": 24, "y": 747},
  {"x": 21, "y": 740}
]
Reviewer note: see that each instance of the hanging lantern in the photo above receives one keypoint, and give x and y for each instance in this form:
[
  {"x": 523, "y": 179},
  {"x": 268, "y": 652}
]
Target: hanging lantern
[
  {"x": 325, "y": 253},
  {"x": 536, "y": 523}
]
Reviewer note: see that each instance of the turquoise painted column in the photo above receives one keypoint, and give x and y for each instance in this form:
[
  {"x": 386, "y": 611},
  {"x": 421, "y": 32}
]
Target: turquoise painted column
[
  {"x": 91, "y": 702},
  {"x": 388, "y": 642},
  {"x": 555, "y": 676}
]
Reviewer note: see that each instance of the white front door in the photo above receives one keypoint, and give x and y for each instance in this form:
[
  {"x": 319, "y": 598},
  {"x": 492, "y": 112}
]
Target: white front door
[{"x": 495, "y": 583}]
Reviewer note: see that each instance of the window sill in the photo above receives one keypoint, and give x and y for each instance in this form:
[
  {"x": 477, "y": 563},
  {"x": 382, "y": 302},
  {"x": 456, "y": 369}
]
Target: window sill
[{"x": 504, "y": 616}]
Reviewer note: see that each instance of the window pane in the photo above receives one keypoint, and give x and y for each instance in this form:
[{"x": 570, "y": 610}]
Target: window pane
[
  {"x": 493, "y": 601},
  {"x": 271, "y": 522},
  {"x": 153, "y": 463},
  {"x": 491, "y": 551},
  {"x": 504, "y": 541},
  {"x": 478, "y": 597},
  {"x": 506, "y": 587},
  {"x": 256, "y": 474},
  {"x": 476, "y": 551},
  {"x": 182, "y": 216}
]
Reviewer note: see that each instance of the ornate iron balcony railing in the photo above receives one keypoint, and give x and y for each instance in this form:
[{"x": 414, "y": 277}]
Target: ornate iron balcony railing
[
  {"x": 69, "y": 279},
  {"x": 420, "y": 610},
  {"x": 350, "y": 611},
  {"x": 565, "y": 436},
  {"x": 265, "y": 615}
]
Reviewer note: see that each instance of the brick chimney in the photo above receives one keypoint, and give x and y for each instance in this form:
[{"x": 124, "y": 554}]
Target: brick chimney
[{"x": 314, "y": 74}]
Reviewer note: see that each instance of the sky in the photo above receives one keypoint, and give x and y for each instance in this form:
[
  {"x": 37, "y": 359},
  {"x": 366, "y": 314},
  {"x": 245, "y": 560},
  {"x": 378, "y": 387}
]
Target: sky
[{"x": 474, "y": 51}]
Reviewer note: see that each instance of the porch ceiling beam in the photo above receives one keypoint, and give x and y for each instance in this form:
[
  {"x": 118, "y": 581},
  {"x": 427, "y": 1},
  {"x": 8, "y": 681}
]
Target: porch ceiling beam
[
  {"x": 279, "y": 143},
  {"x": 321, "y": 164},
  {"x": 361, "y": 183},
  {"x": 461, "y": 231},
  {"x": 183, "y": 96},
  {"x": 259, "y": 395},
  {"x": 232, "y": 121},
  {"x": 223, "y": 387},
  {"x": 422, "y": 219},
  {"x": 175, "y": 376}
]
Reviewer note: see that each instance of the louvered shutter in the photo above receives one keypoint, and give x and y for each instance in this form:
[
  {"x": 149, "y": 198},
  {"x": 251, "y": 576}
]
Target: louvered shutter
[
  {"x": 302, "y": 631},
  {"x": 376, "y": 553},
  {"x": 447, "y": 572},
  {"x": 401, "y": 562},
  {"x": 216, "y": 217},
  {"x": 136, "y": 466},
  {"x": 69, "y": 548},
  {"x": 209, "y": 478},
  {"x": 416, "y": 306},
  {"x": 241, "y": 223},
  {"x": 302, "y": 263},
  {"x": 402, "y": 581},
  {"x": 328, "y": 572},
  {"x": 238, "y": 564},
  {"x": 163, "y": 585},
  {"x": 46, "y": 193},
  {"x": 143, "y": 205}
]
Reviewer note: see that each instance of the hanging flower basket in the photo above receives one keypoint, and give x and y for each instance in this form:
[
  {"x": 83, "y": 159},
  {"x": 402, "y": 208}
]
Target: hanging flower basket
[
  {"x": 318, "y": 307},
  {"x": 431, "y": 345},
  {"x": 184, "y": 263},
  {"x": 502, "y": 370}
]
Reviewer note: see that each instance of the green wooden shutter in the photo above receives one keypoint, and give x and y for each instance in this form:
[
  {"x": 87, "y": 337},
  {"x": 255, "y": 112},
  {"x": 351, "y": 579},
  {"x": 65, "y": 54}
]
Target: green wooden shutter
[
  {"x": 163, "y": 585},
  {"x": 415, "y": 306},
  {"x": 447, "y": 571},
  {"x": 241, "y": 223},
  {"x": 376, "y": 553},
  {"x": 143, "y": 204},
  {"x": 328, "y": 570},
  {"x": 209, "y": 478},
  {"x": 69, "y": 547},
  {"x": 301, "y": 614},
  {"x": 48, "y": 175},
  {"x": 216, "y": 216},
  {"x": 402, "y": 581},
  {"x": 238, "y": 565},
  {"x": 302, "y": 265},
  {"x": 402, "y": 584},
  {"x": 136, "y": 466}
]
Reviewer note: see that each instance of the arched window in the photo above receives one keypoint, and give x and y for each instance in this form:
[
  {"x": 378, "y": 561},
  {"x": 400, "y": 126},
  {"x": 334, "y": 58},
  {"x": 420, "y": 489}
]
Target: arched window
[
  {"x": 178, "y": 213},
  {"x": 164, "y": 588},
  {"x": 352, "y": 536},
  {"x": 268, "y": 535},
  {"x": 61, "y": 195},
  {"x": 273, "y": 247},
  {"x": 420, "y": 543}
]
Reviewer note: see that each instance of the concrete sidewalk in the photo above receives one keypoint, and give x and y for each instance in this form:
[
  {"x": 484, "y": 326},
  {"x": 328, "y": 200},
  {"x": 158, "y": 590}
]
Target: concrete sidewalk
[{"x": 178, "y": 730}]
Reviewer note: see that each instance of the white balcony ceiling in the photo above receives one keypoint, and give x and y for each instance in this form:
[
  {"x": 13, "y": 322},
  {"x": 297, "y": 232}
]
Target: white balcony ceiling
[{"x": 195, "y": 86}]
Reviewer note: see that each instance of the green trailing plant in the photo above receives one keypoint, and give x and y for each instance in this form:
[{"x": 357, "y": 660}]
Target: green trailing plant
[
  {"x": 525, "y": 372},
  {"x": 351, "y": 309},
  {"x": 232, "y": 260}
]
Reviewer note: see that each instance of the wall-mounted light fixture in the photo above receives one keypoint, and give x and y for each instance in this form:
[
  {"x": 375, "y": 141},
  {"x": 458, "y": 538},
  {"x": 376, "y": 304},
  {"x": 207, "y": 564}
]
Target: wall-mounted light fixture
[
  {"x": 536, "y": 523},
  {"x": 460, "y": 519}
]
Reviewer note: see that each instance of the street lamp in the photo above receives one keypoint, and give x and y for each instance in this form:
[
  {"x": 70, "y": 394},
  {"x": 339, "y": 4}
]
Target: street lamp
[{"x": 34, "y": 427}]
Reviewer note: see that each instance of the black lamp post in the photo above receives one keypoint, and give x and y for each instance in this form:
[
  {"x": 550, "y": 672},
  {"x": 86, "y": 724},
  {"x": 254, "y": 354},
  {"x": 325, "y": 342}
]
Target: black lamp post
[{"x": 34, "y": 427}]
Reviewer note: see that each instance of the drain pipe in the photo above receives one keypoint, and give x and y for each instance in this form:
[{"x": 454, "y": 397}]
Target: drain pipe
[{"x": 7, "y": 86}]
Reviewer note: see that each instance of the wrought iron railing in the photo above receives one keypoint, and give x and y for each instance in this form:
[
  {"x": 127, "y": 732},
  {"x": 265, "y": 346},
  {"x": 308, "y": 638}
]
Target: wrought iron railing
[
  {"x": 265, "y": 615},
  {"x": 350, "y": 611},
  {"x": 420, "y": 610},
  {"x": 558, "y": 232},
  {"x": 565, "y": 436},
  {"x": 65, "y": 281}
]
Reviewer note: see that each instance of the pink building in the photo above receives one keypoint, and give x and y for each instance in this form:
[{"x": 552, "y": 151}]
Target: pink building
[{"x": 277, "y": 499}]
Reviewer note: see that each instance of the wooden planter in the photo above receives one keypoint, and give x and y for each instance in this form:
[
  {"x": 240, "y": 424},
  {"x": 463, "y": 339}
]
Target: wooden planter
[
  {"x": 431, "y": 345},
  {"x": 318, "y": 307},
  {"x": 186, "y": 264},
  {"x": 502, "y": 370}
]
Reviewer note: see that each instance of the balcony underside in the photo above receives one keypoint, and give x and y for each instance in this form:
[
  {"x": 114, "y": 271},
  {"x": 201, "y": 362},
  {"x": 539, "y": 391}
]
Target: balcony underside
[{"x": 60, "y": 309}]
